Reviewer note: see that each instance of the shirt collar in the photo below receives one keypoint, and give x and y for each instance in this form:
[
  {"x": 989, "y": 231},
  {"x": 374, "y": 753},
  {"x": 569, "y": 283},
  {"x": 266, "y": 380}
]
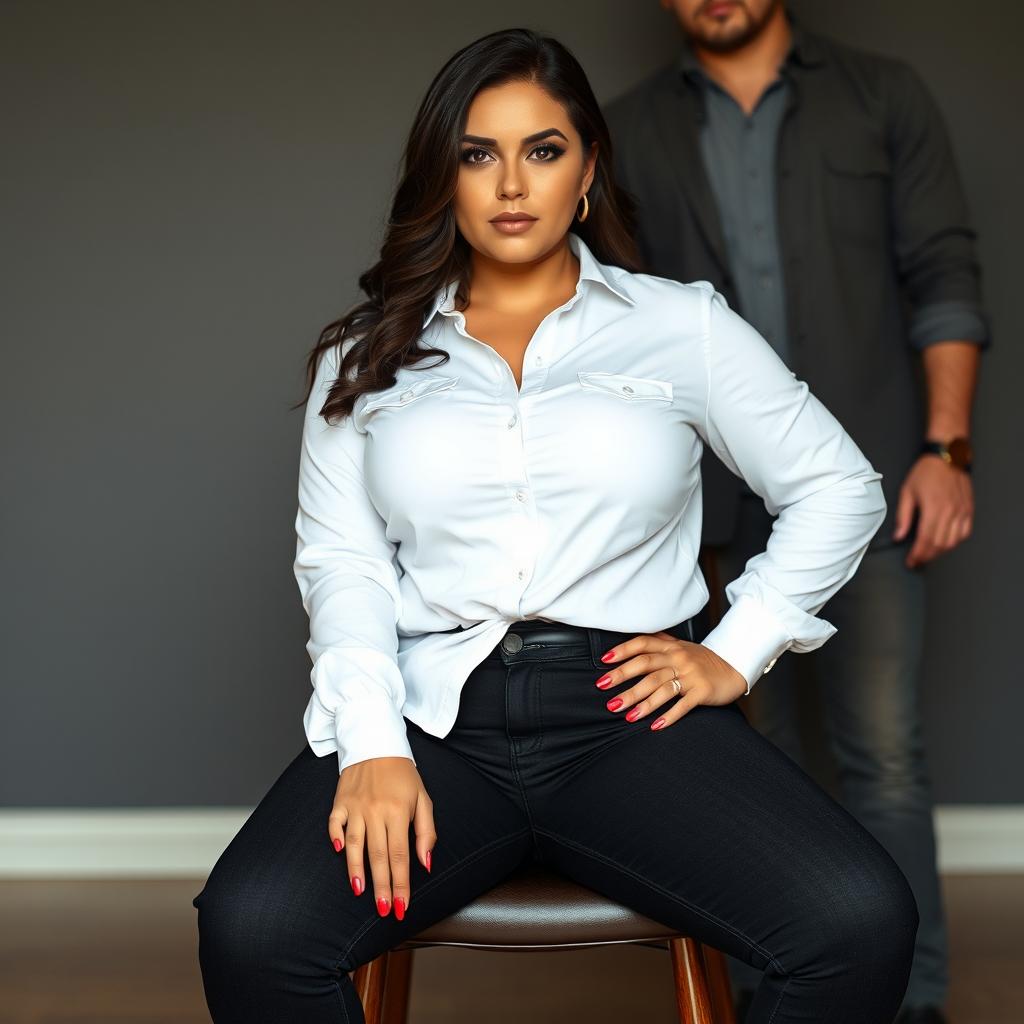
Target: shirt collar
[
  {"x": 803, "y": 50},
  {"x": 590, "y": 270}
]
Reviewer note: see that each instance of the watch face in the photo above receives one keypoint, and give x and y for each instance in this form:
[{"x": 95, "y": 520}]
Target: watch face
[{"x": 960, "y": 451}]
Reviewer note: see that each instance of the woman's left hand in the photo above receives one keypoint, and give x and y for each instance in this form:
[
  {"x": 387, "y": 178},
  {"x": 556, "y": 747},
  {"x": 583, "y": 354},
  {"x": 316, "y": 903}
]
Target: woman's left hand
[{"x": 704, "y": 678}]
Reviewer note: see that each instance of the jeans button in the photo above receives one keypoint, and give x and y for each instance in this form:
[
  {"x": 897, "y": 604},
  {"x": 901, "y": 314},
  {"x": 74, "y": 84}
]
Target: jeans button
[{"x": 511, "y": 643}]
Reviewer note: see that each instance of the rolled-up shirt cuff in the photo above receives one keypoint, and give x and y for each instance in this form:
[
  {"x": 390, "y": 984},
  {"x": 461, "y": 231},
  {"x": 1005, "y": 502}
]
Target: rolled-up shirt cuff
[{"x": 952, "y": 320}]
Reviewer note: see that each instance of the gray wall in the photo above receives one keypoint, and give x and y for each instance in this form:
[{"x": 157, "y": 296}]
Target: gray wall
[{"x": 189, "y": 193}]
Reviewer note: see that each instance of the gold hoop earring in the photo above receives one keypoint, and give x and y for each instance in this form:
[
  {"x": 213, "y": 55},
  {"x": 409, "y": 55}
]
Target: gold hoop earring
[{"x": 586, "y": 209}]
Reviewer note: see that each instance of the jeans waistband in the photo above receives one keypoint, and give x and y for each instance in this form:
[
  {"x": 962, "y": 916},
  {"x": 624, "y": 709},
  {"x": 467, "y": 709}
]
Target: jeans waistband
[{"x": 540, "y": 639}]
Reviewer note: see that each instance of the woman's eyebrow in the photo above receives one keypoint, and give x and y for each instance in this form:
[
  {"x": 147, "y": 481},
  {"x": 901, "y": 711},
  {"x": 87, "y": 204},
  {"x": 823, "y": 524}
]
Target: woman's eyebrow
[{"x": 536, "y": 137}]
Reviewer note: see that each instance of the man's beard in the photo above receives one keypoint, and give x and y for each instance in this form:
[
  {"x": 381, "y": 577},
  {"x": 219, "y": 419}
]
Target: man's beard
[{"x": 728, "y": 43}]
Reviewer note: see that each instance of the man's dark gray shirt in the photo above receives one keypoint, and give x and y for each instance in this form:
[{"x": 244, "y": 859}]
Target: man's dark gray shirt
[
  {"x": 738, "y": 153},
  {"x": 832, "y": 218}
]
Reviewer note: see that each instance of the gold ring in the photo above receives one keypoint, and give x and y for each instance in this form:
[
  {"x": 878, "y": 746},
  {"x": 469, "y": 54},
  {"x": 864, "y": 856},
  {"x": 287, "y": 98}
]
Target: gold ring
[{"x": 676, "y": 685}]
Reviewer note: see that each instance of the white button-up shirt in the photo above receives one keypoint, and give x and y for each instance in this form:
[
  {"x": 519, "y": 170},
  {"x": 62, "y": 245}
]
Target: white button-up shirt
[{"x": 455, "y": 498}]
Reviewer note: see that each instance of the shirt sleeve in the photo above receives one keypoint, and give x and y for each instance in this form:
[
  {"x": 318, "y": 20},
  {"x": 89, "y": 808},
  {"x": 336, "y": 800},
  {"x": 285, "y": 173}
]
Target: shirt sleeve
[
  {"x": 955, "y": 320},
  {"x": 934, "y": 242},
  {"x": 768, "y": 428},
  {"x": 347, "y": 575}
]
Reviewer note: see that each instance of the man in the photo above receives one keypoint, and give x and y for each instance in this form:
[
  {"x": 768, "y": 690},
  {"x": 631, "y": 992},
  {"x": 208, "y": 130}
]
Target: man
[{"x": 814, "y": 185}]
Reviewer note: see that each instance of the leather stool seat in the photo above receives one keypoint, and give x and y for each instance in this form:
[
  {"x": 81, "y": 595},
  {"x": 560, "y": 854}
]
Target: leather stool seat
[{"x": 537, "y": 908}]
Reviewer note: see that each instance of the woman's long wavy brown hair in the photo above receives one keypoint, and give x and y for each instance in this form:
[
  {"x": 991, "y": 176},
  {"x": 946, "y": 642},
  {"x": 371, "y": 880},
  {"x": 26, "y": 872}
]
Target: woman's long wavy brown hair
[{"x": 423, "y": 249}]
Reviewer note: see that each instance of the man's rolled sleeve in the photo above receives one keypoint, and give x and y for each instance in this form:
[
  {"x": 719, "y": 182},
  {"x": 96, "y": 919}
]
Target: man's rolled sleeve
[
  {"x": 934, "y": 243},
  {"x": 955, "y": 320}
]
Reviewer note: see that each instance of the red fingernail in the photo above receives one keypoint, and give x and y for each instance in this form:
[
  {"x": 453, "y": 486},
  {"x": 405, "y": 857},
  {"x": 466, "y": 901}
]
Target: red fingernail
[
  {"x": 337, "y": 846},
  {"x": 657, "y": 723},
  {"x": 399, "y": 907},
  {"x": 632, "y": 713},
  {"x": 383, "y": 903},
  {"x": 610, "y": 656},
  {"x": 357, "y": 885},
  {"x": 428, "y": 860},
  {"x": 604, "y": 682},
  {"x": 614, "y": 704}
]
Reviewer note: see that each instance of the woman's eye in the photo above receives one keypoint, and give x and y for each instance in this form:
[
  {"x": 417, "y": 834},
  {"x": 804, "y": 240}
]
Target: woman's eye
[{"x": 467, "y": 154}]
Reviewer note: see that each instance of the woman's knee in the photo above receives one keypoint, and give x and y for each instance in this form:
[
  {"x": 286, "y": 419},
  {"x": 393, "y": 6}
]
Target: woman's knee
[
  {"x": 867, "y": 922},
  {"x": 247, "y": 931},
  {"x": 263, "y": 955},
  {"x": 233, "y": 926}
]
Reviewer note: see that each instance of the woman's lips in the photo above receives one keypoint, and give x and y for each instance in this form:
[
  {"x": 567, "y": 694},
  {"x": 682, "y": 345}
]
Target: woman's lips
[{"x": 514, "y": 227}]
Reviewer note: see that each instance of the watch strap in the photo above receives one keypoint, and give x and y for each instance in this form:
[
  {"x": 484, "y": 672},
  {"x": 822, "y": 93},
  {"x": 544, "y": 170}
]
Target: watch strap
[{"x": 941, "y": 448}]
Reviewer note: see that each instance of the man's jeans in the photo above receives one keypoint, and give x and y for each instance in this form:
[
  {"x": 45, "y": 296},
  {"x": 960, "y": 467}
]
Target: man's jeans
[
  {"x": 704, "y": 825},
  {"x": 868, "y": 676}
]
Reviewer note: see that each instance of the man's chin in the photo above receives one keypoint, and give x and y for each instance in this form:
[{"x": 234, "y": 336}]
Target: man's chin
[{"x": 719, "y": 44}]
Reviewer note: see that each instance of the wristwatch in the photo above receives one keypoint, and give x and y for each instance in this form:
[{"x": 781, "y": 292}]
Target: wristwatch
[{"x": 957, "y": 452}]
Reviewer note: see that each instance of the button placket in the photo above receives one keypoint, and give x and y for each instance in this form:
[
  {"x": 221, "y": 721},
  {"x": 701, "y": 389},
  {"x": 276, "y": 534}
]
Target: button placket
[
  {"x": 521, "y": 531},
  {"x": 526, "y": 548}
]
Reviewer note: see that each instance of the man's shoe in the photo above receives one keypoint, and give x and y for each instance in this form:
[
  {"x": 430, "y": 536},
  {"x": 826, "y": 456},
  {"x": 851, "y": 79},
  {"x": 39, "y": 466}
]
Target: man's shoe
[{"x": 926, "y": 1014}]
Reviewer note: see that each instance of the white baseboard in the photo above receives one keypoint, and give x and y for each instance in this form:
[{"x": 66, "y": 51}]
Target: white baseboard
[
  {"x": 116, "y": 843},
  {"x": 185, "y": 842}
]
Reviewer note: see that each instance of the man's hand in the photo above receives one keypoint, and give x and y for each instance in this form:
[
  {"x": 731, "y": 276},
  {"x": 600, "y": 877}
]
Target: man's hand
[
  {"x": 943, "y": 496},
  {"x": 704, "y": 678}
]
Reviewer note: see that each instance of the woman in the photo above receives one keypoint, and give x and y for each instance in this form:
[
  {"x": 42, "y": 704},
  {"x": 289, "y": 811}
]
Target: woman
[{"x": 485, "y": 539}]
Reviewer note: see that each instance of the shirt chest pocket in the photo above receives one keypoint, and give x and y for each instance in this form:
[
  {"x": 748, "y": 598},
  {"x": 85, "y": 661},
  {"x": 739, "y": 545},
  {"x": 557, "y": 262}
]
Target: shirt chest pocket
[
  {"x": 402, "y": 395},
  {"x": 857, "y": 173},
  {"x": 626, "y": 388},
  {"x": 630, "y": 423}
]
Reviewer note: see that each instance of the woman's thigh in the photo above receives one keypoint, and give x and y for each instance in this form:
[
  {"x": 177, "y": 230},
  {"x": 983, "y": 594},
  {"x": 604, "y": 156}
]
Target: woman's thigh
[
  {"x": 710, "y": 828},
  {"x": 278, "y": 918}
]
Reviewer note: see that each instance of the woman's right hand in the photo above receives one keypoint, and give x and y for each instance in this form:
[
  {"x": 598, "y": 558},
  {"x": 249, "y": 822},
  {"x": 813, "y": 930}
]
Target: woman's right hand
[{"x": 375, "y": 801}]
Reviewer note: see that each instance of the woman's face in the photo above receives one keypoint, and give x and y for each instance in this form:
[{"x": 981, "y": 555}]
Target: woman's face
[{"x": 519, "y": 154}]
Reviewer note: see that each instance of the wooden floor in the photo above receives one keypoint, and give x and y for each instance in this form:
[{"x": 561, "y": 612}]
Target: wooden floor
[{"x": 96, "y": 952}]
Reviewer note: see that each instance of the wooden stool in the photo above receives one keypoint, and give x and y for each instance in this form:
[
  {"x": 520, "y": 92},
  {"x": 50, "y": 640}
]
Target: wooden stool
[{"x": 536, "y": 909}]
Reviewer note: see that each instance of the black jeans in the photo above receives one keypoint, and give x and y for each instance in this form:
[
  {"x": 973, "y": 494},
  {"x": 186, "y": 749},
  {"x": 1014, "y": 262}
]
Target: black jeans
[{"x": 705, "y": 826}]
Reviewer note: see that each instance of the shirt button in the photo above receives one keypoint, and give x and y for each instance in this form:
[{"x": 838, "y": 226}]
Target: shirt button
[
  {"x": 520, "y": 496},
  {"x": 758, "y": 230},
  {"x": 406, "y": 395},
  {"x": 626, "y": 387},
  {"x": 766, "y": 280},
  {"x": 512, "y": 422},
  {"x": 539, "y": 360},
  {"x": 520, "y": 574}
]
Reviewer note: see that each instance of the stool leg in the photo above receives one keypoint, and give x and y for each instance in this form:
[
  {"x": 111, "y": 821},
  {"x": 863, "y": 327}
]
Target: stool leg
[
  {"x": 396, "y": 990},
  {"x": 693, "y": 996},
  {"x": 370, "y": 980},
  {"x": 718, "y": 983}
]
